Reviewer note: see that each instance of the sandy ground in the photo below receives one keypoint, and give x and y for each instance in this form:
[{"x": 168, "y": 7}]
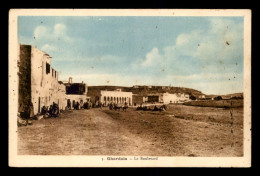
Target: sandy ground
[{"x": 180, "y": 131}]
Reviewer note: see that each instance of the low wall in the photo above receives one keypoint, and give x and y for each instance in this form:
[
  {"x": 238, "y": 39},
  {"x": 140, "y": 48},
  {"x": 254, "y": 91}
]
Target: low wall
[{"x": 217, "y": 103}]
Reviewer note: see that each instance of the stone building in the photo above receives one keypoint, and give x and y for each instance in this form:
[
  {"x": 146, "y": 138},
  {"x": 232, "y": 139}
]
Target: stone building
[
  {"x": 138, "y": 99},
  {"x": 38, "y": 81},
  {"x": 76, "y": 92},
  {"x": 116, "y": 96}
]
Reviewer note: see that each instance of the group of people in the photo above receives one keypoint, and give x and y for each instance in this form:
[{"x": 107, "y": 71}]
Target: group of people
[
  {"x": 155, "y": 108},
  {"x": 77, "y": 105},
  {"x": 27, "y": 112},
  {"x": 52, "y": 111},
  {"x": 87, "y": 105},
  {"x": 114, "y": 106}
]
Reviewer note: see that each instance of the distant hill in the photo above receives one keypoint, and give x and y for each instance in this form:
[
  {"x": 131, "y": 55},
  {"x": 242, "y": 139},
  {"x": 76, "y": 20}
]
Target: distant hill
[
  {"x": 144, "y": 90},
  {"x": 235, "y": 94},
  {"x": 227, "y": 96}
]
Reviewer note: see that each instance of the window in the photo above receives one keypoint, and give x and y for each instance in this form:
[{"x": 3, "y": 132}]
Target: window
[{"x": 48, "y": 67}]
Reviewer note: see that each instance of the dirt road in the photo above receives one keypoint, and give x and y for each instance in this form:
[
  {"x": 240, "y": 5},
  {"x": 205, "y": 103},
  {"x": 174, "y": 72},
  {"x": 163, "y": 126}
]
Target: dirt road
[
  {"x": 104, "y": 132},
  {"x": 83, "y": 132}
]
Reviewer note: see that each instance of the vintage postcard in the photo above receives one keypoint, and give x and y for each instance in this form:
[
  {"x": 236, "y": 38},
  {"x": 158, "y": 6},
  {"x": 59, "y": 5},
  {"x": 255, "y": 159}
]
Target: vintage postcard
[{"x": 129, "y": 88}]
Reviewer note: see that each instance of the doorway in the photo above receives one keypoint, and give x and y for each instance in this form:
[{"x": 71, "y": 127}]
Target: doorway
[{"x": 39, "y": 104}]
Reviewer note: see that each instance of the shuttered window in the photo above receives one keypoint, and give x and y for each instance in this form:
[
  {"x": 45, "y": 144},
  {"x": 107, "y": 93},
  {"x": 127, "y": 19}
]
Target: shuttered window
[{"x": 48, "y": 68}]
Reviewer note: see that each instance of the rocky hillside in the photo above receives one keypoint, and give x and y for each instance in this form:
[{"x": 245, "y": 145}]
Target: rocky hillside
[
  {"x": 228, "y": 96},
  {"x": 144, "y": 90}
]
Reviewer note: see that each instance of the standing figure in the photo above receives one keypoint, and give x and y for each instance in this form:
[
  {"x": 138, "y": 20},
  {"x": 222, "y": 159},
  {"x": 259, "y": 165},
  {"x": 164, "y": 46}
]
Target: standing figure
[
  {"x": 100, "y": 105},
  {"x": 31, "y": 110},
  {"x": 77, "y": 106},
  {"x": 110, "y": 106},
  {"x": 69, "y": 105},
  {"x": 125, "y": 107}
]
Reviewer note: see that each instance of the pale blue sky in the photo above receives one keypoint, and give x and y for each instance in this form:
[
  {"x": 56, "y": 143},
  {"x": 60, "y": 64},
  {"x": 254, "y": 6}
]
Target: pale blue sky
[{"x": 204, "y": 53}]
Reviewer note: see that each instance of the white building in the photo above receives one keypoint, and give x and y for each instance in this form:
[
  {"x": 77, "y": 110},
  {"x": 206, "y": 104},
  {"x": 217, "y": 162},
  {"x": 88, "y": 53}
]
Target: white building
[
  {"x": 106, "y": 97},
  {"x": 167, "y": 98},
  {"x": 38, "y": 81}
]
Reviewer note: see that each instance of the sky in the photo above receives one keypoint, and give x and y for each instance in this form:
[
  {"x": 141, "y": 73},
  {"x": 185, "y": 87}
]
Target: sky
[{"x": 203, "y": 53}]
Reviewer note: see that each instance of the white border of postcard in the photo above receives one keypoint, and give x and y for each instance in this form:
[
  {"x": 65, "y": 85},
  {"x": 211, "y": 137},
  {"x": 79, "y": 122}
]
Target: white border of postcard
[{"x": 16, "y": 160}]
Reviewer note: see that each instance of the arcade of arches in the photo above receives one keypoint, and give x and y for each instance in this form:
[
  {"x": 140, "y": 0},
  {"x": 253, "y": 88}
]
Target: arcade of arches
[{"x": 116, "y": 97}]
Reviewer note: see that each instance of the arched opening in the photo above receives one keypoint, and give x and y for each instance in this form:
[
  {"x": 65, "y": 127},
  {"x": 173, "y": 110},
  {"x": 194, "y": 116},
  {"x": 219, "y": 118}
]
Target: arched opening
[{"x": 96, "y": 99}]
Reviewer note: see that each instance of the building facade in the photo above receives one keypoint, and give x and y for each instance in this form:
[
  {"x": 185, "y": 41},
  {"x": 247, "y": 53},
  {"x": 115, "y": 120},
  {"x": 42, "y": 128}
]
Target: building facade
[
  {"x": 106, "y": 97},
  {"x": 38, "y": 81},
  {"x": 138, "y": 99},
  {"x": 76, "y": 93},
  {"x": 166, "y": 98}
]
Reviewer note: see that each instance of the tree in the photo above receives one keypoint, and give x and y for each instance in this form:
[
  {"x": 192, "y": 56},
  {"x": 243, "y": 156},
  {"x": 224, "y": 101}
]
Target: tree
[
  {"x": 192, "y": 97},
  {"x": 218, "y": 98}
]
